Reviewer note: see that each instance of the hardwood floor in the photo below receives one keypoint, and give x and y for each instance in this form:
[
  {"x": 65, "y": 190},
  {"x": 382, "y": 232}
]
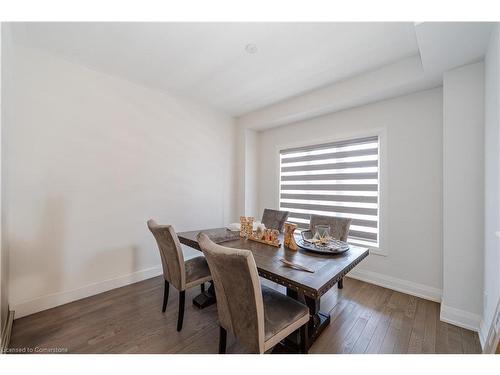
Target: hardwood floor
[{"x": 364, "y": 319}]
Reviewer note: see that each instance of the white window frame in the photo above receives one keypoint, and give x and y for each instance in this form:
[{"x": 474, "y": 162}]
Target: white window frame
[{"x": 381, "y": 133}]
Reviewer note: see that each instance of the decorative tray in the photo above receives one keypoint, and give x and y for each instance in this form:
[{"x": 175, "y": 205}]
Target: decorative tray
[{"x": 331, "y": 247}]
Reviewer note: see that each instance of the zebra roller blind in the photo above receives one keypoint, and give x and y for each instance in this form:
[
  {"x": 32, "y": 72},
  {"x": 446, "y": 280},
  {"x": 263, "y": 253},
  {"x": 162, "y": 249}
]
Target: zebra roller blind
[{"x": 334, "y": 179}]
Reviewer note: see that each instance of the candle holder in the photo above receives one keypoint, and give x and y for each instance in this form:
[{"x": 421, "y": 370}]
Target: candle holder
[{"x": 289, "y": 237}]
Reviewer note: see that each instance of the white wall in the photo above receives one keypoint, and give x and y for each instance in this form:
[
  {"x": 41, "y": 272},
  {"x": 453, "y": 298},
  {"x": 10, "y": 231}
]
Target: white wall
[
  {"x": 88, "y": 158},
  {"x": 463, "y": 195},
  {"x": 412, "y": 133},
  {"x": 247, "y": 172},
  {"x": 492, "y": 182},
  {"x": 2, "y": 317},
  {"x": 251, "y": 174},
  {"x": 4, "y": 292}
]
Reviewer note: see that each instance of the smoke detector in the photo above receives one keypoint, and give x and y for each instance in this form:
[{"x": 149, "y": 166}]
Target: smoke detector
[{"x": 251, "y": 48}]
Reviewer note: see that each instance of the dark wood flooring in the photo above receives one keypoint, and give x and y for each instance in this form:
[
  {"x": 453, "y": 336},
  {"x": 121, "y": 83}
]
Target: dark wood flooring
[{"x": 364, "y": 319}]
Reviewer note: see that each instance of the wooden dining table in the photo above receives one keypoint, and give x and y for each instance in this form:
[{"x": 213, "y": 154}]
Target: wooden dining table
[{"x": 307, "y": 287}]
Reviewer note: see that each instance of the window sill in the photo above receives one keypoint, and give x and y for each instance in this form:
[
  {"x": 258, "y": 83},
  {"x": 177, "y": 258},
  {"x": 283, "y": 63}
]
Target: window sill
[
  {"x": 378, "y": 251},
  {"x": 373, "y": 249}
]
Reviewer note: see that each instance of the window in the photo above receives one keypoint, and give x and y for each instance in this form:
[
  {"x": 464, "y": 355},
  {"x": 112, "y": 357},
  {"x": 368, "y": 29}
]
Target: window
[{"x": 338, "y": 179}]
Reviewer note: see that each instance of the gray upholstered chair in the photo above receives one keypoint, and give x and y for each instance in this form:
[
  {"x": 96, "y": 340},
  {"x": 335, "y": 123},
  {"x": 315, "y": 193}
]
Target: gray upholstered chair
[
  {"x": 259, "y": 317},
  {"x": 182, "y": 275},
  {"x": 274, "y": 219},
  {"x": 339, "y": 229},
  {"x": 339, "y": 226}
]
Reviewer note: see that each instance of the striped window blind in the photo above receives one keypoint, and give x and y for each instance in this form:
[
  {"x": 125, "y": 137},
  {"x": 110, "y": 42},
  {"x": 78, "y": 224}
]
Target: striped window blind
[{"x": 335, "y": 179}]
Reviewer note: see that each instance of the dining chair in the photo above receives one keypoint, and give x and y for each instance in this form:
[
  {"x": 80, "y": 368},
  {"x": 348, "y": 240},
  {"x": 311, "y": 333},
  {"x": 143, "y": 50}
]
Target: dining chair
[
  {"x": 339, "y": 226},
  {"x": 274, "y": 219},
  {"x": 181, "y": 274},
  {"x": 339, "y": 229},
  {"x": 258, "y": 316}
]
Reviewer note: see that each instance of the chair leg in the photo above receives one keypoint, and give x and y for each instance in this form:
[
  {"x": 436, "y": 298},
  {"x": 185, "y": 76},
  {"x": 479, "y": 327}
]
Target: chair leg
[
  {"x": 303, "y": 339},
  {"x": 202, "y": 287},
  {"x": 222, "y": 340},
  {"x": 182, "y": 299},
  {"x": 165, "y": 295},
  {"x": 340, "y": 284}
]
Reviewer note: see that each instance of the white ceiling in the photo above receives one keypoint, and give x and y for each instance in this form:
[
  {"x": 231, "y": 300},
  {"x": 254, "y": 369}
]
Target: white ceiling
[
  {"x": 350, "y": 63},
  {"x": 208, "y": 62},
  {"x": 445, "y": 45},
  {"x": 442, "y": 46}
]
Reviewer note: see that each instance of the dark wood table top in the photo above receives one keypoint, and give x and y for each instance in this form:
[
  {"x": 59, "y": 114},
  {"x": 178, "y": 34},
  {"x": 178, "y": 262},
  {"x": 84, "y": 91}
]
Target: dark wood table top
[{"x": 328, "y": 269}]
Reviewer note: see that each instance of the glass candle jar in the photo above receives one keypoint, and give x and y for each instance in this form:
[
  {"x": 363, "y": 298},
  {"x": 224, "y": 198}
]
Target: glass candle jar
[{"x": 321, "y": 233}]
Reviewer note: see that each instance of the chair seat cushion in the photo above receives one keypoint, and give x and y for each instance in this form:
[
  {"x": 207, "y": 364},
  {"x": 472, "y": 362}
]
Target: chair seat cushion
[
  {"x": 196, "y": 269},
  {"x": 280, "y": 311}
]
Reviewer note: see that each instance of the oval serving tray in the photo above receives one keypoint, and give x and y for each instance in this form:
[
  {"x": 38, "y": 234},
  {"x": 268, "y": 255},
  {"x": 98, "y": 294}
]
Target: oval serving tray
[{"x": 339, "y": 248}]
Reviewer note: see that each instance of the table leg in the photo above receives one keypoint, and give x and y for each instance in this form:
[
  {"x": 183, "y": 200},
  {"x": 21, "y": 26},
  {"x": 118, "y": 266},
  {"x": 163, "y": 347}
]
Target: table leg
[
  {"x": 206, "y": 298},
  {"x": 292, "y": 294},
  {"x": 340, "y": 284},
  {"x": 317, "y": 321}
]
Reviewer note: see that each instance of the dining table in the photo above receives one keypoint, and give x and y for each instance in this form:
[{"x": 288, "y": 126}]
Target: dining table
[{"x": 324, "y": 271}]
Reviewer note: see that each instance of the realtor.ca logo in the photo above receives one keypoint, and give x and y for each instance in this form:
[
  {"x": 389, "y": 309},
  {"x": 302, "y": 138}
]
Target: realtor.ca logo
[{"x": 35, "y": 350}]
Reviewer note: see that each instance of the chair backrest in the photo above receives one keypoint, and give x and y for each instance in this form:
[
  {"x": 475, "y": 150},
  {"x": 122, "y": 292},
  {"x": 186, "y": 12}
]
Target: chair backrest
[
  {"x": 274, "y": 219},
  {"x": 339, "y": 226},
  {"x": 172, "y": 259},
  {"x": 239, "y": 296}
]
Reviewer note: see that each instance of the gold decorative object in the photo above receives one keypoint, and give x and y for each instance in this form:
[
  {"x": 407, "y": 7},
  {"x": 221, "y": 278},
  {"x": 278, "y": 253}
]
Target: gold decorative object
[
  {"x": 267, "y": 236},
  {"x": 250, "y": 220},
  {"x": 260, "y": 231},
  {"x": 289, "y": 237},
  {"x": 246, "y": 226}
]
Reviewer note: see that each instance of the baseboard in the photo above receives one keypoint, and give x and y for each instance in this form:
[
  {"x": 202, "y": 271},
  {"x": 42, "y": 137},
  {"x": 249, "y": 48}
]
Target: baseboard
[
  {"x": 399, "y": 285},
  {"x": 483, "y": 333},
  {"x": 56, "y": 299},
  {"x": 460, "y": 318},
  {"x": 489, "y": 333},
  {"x": 5, "y": 337}
]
